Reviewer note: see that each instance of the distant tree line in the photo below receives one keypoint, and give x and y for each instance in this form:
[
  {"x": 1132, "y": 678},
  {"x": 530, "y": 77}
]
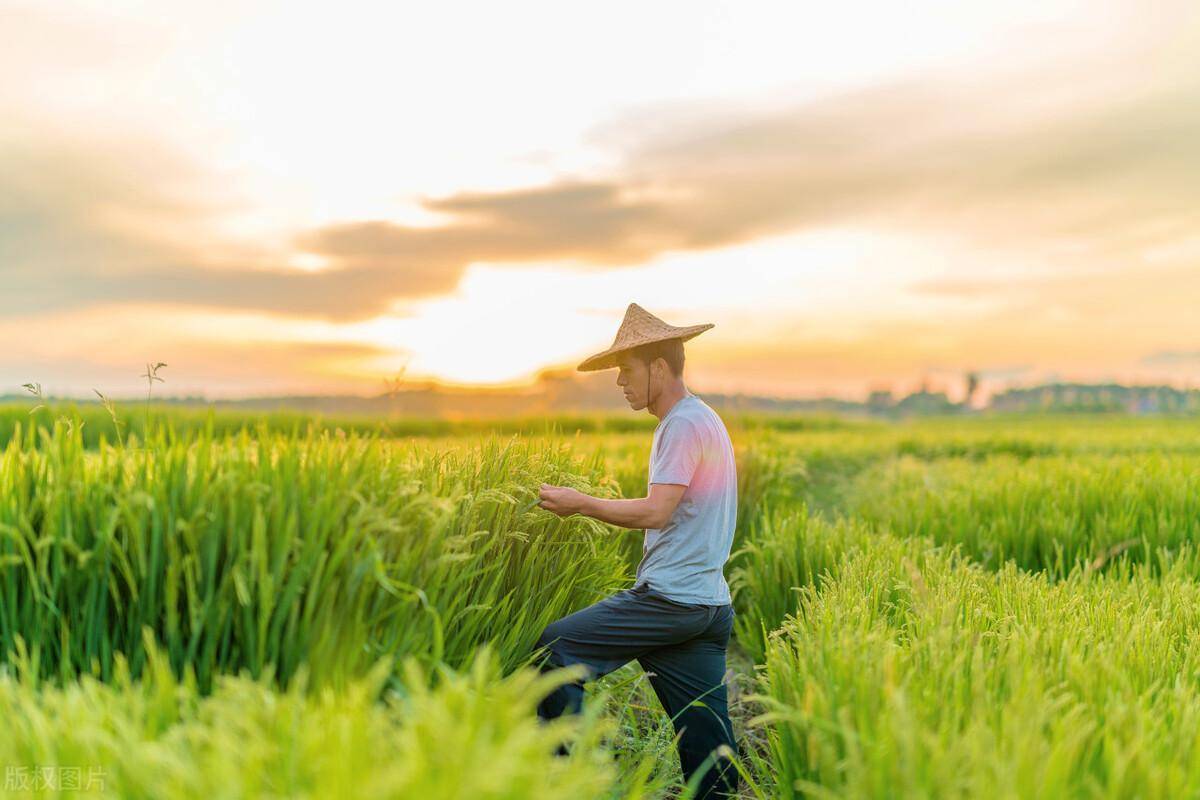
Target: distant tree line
[{"x": 1079, "y": 397}]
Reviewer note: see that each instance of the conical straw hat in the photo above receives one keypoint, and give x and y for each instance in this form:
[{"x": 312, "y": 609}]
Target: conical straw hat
[{"x": 639, "y": 327}]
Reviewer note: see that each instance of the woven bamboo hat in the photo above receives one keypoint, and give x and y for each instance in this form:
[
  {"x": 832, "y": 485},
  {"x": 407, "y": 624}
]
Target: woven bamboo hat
[{"x": 638, "y": 328}]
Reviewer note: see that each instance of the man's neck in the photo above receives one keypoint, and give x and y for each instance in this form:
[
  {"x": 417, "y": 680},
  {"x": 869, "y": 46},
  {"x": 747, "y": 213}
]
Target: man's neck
[{"x": 667, "y": 398}]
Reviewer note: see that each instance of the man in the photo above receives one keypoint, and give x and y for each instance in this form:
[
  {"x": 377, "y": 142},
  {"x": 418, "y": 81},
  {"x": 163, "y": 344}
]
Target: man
[{"x": 677, "y": 618}]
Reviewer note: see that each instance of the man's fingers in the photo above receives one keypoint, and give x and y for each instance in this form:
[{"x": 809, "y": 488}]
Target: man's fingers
[{"x": 547, "y": 493}]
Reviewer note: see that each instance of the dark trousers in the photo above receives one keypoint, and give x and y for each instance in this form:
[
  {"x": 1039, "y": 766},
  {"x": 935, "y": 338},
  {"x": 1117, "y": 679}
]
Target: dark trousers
[{"x": 682, "y": 649}]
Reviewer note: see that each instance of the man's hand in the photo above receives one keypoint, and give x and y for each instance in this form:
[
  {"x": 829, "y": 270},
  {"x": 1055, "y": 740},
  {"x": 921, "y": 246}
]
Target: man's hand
[{"x": 562, "y": 500}]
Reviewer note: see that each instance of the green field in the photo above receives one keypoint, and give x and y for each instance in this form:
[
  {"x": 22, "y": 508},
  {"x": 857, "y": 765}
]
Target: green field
[{"x": 198, "y": 605}]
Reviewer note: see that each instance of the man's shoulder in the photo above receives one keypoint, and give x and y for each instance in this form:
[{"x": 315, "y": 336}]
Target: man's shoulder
[
  {"x": 698, "y": 410},
  {"x": 696, "y": 418}
]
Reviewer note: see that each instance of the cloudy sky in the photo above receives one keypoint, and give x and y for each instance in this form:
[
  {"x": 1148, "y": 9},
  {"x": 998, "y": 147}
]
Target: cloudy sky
[{"x": 301, "y": 197}]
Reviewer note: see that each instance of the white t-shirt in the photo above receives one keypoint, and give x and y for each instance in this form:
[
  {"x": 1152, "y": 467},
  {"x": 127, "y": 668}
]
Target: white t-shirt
[{"x": 684, "y": 561}]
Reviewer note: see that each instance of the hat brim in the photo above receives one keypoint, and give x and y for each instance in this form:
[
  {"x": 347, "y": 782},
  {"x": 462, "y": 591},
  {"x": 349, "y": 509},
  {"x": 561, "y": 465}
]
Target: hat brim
[{"x": 611, "y": 357}]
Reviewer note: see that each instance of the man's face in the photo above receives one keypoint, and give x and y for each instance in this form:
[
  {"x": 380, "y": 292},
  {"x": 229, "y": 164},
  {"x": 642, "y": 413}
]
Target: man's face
[{"x": 631, "y": 377}]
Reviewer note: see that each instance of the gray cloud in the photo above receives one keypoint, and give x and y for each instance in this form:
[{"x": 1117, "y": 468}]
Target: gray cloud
[
  {"x": 1095, "y": 171},
  {"x": 80, "y": 226},
  {"x": 1032, "y": 161}
]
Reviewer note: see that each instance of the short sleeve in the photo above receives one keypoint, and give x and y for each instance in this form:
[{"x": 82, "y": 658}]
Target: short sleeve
[{"x": 678, "y": 453}]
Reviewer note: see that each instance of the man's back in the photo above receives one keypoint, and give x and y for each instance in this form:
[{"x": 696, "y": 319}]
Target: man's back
[{"x": 684, "y": 560}]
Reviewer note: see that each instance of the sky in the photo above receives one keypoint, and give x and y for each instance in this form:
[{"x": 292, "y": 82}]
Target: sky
[{"x": 314, "y": 198}]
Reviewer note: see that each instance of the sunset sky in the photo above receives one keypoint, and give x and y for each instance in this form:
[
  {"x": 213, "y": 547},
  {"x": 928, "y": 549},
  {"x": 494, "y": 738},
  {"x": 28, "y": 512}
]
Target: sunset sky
[{"x": 301, "y": 197}]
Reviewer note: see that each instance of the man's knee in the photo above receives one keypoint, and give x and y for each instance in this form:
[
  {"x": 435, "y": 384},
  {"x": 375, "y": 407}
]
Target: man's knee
[
  {"x": 554, "y": 649},
  {"x": 547, "y": 647},
  {"x": 550, "y": 633}
]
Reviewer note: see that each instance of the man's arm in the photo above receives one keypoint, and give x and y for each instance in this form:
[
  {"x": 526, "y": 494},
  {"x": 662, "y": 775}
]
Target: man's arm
[
  {"x": 652, "y": 511},
  {"x": 678, "y": 454}
]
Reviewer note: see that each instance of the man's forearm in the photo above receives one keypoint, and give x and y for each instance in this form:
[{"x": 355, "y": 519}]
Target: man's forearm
[{"x": 632, "y": 513}]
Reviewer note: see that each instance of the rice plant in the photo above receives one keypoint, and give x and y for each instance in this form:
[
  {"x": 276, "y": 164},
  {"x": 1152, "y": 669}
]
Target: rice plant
[
  {"x": 270, "y": 551},
  {"x": 252, "y": 604},
  {"x": 784, "y": 550},
  {"x": 442, "y": 733},
  {"x": 1047, "y": 513},
  {"x": 917, "y": 673}
]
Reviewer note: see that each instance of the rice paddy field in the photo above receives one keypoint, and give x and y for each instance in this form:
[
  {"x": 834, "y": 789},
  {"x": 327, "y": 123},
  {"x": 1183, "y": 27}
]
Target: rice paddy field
[{"x": 202, "y": 605}]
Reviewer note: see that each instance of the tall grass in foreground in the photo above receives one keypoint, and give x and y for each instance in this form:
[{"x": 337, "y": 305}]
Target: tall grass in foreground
[
  {"x": 276, "y": 552},
  {"x": 454, "y": 735},
  {"x": 918, "y": 674},
  {"x": 901, "y": 651}
]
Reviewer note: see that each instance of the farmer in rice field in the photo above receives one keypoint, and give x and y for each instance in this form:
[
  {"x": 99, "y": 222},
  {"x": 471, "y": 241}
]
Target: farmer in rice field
[{"x": 677, "y": 618}]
